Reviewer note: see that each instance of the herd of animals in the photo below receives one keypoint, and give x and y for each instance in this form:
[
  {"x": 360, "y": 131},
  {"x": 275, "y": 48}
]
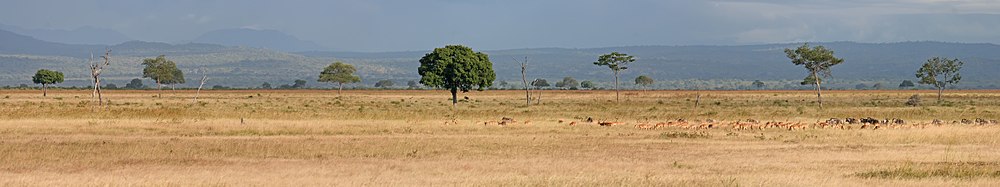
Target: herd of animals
[{"x": 751, "y": 124}]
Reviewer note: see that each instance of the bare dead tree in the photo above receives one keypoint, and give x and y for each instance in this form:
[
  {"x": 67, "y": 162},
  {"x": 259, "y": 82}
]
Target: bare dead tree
[
  {"x": 95, "y": 73},
  {"x": 524, "y": 79},
  {"x": 202, "y": 84}
]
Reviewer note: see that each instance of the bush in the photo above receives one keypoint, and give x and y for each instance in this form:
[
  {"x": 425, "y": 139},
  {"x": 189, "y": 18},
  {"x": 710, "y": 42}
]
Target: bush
[{"x": 913, "y": 101}]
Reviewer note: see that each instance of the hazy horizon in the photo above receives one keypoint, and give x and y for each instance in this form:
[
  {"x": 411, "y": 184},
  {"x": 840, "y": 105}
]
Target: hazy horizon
[{"x": 391, "y": 25}]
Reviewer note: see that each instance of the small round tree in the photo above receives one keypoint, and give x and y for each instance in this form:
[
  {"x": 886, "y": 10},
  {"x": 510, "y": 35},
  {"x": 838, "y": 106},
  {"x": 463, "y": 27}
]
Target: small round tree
[
  {"x": 339, "y": 73},
  {"x": 644, "y": 81},
  {"x": 46, "y": 77},
  {"x": 456, "y": 68}
]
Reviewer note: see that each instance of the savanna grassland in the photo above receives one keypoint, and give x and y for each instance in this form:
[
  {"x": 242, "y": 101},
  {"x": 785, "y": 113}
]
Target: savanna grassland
[{"x": 311, "y": 137}]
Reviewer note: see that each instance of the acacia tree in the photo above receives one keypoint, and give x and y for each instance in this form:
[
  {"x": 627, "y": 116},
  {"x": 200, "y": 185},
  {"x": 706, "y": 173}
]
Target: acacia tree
[
  {"x": 539, "y": 84},
  {"x": 644, "y": 81},
  {"x": 46, "y": 77},
  {"x": 940, "y": 72},
  {"x": 162, "y": 71},
  {"x": 568, "y": 82},
  {"x": 456, "y": 67},
  {"x": 906, "y": 84},
  {"x": 384, "y": 84},
  {"x": 617, "y": 62},
  {"x": 817, "y": 61},
  {"x": 339, "y": 73},
  {"x": 176, "y": 77},
  {"x": 758, "y": 84}
]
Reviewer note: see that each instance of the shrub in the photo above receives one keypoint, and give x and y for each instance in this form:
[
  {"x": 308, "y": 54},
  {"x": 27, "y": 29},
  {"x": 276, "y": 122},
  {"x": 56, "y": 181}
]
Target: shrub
[{"x": 913, "y": 101}]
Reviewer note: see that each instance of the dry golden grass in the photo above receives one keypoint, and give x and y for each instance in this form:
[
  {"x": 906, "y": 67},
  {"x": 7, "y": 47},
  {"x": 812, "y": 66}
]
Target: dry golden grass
[{"x": 316, "y": 138}]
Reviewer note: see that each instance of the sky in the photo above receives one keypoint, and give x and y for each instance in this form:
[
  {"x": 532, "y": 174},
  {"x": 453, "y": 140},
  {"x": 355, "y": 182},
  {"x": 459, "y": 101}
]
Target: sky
[{"x": 400, "y": 25}]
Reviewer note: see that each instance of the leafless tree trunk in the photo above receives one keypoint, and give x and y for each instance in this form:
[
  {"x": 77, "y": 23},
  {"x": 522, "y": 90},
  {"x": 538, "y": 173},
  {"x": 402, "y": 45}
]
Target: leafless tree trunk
[
  {"x": 196, "y": 94},
  {"x": 95, "y": 72},
  {"x": 524, "y": 79}
]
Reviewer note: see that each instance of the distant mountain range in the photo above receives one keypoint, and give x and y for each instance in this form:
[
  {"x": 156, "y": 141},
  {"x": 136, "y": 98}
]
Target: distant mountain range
[
  {"x": 269, "y": 39},
  {"x": 82, "y": 35},
  {"x": 722, "y": 67}
]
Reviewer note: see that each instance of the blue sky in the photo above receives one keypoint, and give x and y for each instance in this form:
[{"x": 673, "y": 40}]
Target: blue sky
[{"x": 393, "y": 25}]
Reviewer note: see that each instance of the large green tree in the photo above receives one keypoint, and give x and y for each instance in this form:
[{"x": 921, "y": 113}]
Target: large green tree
[
  {"x": 339, "y": 73},
  {"x": 940, "y": 72},
  {"x": 162, "y": 71},
  {"x": 456, "y": 68},
  {"x": 587, "y": 84},
  {"x": 817, "y": 61},
  {"x": 644, "y": 81},
  {"x": 617, "y": 62},
  {"x": 46, "y": 77}
]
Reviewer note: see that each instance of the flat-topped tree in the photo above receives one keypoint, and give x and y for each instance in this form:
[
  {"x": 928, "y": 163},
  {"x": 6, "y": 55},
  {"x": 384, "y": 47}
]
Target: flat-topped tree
[
  {"x": 817, "y": 61},
  {"x": 456, "y": 68},
  {"x": 339, "y": 73},
  {"x": 644, "y": 81},
  {"x": 162, "y": 71},
  {"x": 940, "y": 72},
  {"x": 617, "y": 62},
  {"x": 46, "y": 77}
]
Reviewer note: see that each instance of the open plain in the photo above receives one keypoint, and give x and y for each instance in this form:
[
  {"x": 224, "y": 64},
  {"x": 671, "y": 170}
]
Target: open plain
[{"x": 402, "y": 138}]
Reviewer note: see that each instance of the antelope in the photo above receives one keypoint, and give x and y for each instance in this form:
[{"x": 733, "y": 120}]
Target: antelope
[
  {"x": 561, "y": 120},
  {"x": 645, "y": 126},
  {"x": 966, "y": 121},
  {"x": 606, "y": 123},
  {"x": 488, "y": 123},
  {"x": 937, "y": 122},
  {"x": 572, "y": 123}
]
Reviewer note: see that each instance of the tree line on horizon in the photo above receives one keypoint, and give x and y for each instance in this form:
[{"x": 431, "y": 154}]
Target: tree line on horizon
[{"x": 458, "y": 68}]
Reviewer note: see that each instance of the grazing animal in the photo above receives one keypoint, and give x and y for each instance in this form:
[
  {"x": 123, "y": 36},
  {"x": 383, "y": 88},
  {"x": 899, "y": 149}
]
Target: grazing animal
[
  {"x": 869, "y": 120},
  {"x": 572, "y": 123},
  {"x": 993, "y": 121},
  {"x": 937, "y": 122},
  {"x": 752, "y": 121},
  {"x": 590, "y": 120},
  {"x": 608, "y": 124},
  {"x": 982, "y": 121},
  {"x": 561, "y": 120},
  {"x": 966, "y": 121},
  {"x": 645, "y": 126},
  {"x": 834, "y": 121},
  {"x": 488, "y": 123},
  {"x": 851, "y": 121}
]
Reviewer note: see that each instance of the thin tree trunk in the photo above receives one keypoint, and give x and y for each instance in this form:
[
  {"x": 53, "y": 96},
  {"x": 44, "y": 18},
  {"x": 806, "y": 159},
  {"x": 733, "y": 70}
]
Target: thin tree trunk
[
  {"x": 158, "y": 90},
  {"x": 697, "y": 100},
  {"x": 940, "y": 91},
  {"x": 539, "y": 99},
  {"x": 340, "y": 90},
  {"x": 524, "y": 79},
  {"x": 819, "y": 91},
  {"x": 100, "y": 98},
  {"x": 202, "y": 84},
  {"x": 454, "y": 96},
  {"x": 45, "y": 92},
  {"x": 617, "y": 95}
]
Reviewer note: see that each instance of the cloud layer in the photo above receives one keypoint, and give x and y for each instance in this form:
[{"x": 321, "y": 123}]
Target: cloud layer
[{"x": 386, "y": 25}]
